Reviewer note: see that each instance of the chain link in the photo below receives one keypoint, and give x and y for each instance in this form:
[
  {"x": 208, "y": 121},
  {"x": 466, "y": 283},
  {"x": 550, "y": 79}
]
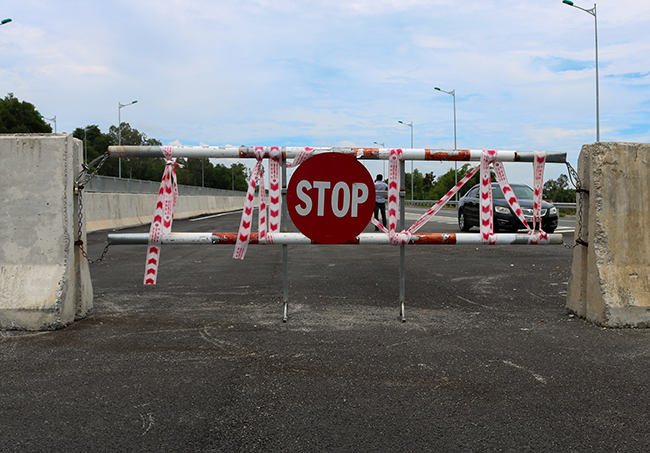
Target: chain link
[
  {"x": 80, "y": 242},
  {"x": 580, "y": 192},
  {"x": 82, "y": 179}
]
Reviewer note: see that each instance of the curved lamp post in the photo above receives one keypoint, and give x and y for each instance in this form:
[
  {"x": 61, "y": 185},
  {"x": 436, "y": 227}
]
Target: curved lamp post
[
  {"x": 592, "y": 11},
  {"x": 5, "y": 21},
  {"x": 383, "y": 145},
  {"x": 119, "y": 132},
  {"x": 411, "y": 126},
  {"x": 453, "y": 93},
  {"x": 50, "y": 119}
]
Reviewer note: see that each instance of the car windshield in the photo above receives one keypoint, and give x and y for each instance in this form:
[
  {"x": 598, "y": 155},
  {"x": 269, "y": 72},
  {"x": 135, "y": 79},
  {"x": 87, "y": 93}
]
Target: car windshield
[{"x": 521, "y": 192}]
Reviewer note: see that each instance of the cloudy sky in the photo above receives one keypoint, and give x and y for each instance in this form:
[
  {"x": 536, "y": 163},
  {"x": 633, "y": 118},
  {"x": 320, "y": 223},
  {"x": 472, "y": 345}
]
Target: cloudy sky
[{"x": 336, "y": 72}]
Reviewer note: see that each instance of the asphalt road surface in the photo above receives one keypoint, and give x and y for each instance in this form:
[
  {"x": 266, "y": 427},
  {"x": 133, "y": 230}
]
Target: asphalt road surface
[{"x": 488, "y": 359}]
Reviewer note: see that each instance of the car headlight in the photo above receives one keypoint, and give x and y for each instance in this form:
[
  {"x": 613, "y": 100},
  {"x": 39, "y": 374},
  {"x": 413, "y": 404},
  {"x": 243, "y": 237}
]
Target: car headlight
[
  {"x": 553, "y": 210},
  {"x": 501, "y": 210}
]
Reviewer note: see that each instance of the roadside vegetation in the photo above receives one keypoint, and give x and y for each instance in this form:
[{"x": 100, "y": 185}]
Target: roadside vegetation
[
  {"x": 430, "y": 187},
  {"x": 22, "y": 117},
  {"x": 18, "y": 117}
]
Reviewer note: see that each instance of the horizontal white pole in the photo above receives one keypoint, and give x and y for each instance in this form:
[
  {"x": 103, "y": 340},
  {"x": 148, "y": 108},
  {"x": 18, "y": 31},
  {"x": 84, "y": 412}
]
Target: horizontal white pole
[
  {"x": 248, "y": 152},
  {"x": 299, "y": 238}
]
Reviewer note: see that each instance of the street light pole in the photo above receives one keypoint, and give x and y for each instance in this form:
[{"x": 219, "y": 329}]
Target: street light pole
[
  {"x": 592, "y": 11},
  {"x": 119, "y": 132},
  {"x": 411, "y": 126},
  {"x": 453, "y": 93},
  {"x": 383, "y": 145},
  {"x": 50, "y": 119}
]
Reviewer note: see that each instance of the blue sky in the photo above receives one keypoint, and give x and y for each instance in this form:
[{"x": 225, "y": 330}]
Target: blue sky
[{"x": 338, "y": 72}]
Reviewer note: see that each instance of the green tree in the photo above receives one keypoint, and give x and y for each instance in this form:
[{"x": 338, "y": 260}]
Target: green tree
[
  {"x": 20, "y": 117},
  {"x": 190, "y": 172},
  {"x": 97, "y": 143},
  {"x": 136, "y": 167},
  {"x": 418, "y": 185},
  {"x": 558, "y": 190},
  {"x": 215, "y": 176},
  {"x": 240, "y": 174},
  {"x": 445, "y": 182}
]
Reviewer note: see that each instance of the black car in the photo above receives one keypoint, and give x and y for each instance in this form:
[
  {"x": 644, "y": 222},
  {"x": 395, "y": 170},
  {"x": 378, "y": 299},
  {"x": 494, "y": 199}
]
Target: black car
[{"x": 504, "y": 218}]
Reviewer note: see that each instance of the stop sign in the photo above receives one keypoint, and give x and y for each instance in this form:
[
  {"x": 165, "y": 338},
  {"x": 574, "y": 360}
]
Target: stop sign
[{"x": 331, "y": 198}]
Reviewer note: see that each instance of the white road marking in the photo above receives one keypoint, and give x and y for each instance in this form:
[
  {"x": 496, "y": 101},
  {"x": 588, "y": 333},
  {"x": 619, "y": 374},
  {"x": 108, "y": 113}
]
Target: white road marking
[{"x": 535, "y": 375}]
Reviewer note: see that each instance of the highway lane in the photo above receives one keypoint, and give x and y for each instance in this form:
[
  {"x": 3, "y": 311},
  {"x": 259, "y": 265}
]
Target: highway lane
[
  {"x": 448, "y": 219},
  {"x": 488, "y": 359}
]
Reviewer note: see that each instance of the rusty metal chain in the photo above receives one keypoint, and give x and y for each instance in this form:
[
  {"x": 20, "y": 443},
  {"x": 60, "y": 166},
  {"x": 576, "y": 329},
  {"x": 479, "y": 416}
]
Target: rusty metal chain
[
  {"x": 575, "y": 180},
  {"x": 82, "y": 179},
  {"x": 80, "y": 243}
]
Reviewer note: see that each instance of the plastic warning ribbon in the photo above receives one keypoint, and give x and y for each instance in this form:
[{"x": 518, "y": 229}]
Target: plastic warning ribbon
[
  {"x": 536, "y": 237},
  {"x": 486, "y": 215},
  {"x": 275, "y": 165},
  {"x": 539, "y": 163},
  {"x": 508, "y": 193},
  {"x": 261, "y": 217},
  {"x": 162, "y": 217},
  {"x": 244, "y": 234},
  {"x": 402, "y": 237},
  {"x": 433, "y": 210},
  {"x": 486, "y": 205},
  {"x": 303, "y": 155},
  {"x": 378, "y": 224}
]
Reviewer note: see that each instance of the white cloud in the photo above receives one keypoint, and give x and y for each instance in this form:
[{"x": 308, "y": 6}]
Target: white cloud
[{"x": 321, "y": 73}]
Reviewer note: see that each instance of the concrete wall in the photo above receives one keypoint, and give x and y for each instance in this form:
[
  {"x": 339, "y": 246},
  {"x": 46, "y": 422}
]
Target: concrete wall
[
  {"x": 117, "y": 210},
  {"x": 610, "y": 279},
  {"x": 45, "y": 280}
]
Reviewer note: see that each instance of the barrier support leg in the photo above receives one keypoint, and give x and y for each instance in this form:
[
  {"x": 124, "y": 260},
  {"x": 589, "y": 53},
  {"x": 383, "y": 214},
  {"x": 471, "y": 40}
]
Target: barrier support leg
[
  {"x": 285, "y": 275},
  {"x": 402, "y": 248},
  {"x": 285, "y": 247}
]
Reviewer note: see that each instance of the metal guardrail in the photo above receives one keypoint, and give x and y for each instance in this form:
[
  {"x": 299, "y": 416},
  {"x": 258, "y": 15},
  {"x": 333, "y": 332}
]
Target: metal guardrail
[
  {"x": 111, "y": 184},
  {"x": 428, "y": 202},
  {"x": 454, "y": 203},
  {"x": 566, "y": 205}
]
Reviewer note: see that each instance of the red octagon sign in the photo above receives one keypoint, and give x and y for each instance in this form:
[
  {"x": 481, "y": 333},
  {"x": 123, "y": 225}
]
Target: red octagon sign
[{"x": 331, "y": 198}]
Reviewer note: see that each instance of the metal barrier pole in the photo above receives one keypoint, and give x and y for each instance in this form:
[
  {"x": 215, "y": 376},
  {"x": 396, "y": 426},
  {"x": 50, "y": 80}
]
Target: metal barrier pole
[
  {"x": 291, "y": 152},
  {"x": 419, "y": 239},
  {"x": 285, "y": 247},
  {"x": 402, "y": 248}
]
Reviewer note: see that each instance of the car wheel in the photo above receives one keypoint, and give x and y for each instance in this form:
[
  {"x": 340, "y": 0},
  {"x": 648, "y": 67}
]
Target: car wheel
[{"x": 462, "y": 222}]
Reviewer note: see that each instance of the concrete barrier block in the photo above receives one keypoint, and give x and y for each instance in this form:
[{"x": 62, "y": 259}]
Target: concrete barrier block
[
  {"x": 610, "y": 279},
  {"x": 44, "y": 278}
]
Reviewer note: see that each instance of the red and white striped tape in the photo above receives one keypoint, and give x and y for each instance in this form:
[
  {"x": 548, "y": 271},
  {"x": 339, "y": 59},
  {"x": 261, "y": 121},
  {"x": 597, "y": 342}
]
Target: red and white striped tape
[
  {"x": 403, "y": 237},
  {"x": 396, "y": 238},
  {"x": 486, "y": 216},
  {"x": 419, "y": 223},
  {"x": 538, "y": 237},
  {"x": 303, "y": 155},
  {"x": 261, "y": 193},
  {"x": 267, "y": 224},
  {"x": 243, "y": 237},
  {"x": 162, "y": 217},
  {"x": 508, "y": 193},
  {"x": 275, "y": 164}
]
